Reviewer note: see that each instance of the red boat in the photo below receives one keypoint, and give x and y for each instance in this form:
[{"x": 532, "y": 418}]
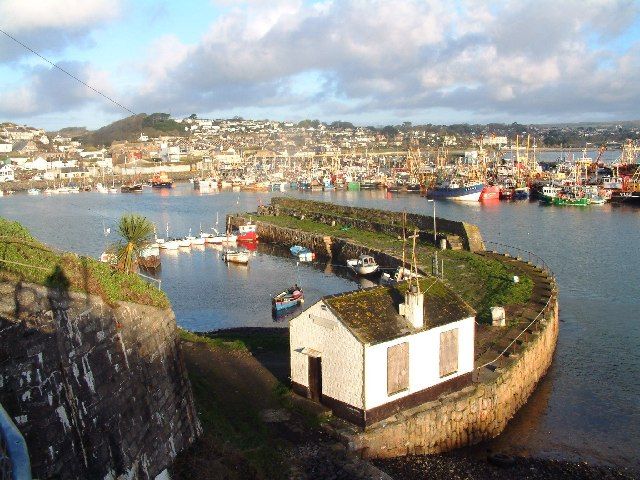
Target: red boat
[
  {"x": 247, "y": 233},
  {"x": 490, "y": 192}
]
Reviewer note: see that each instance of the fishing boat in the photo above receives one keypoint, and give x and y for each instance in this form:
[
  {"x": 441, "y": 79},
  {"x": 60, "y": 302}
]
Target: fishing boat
[
  {"x": 33, "y": 191},
  {"x": 464, "y": 191},
  {"x": 236, "y": 256},
  {"x": 302, "y": 253},
  {"x": 364, "y": 265},
  {"x": 548, "y": 193},
  {"x": 161, "y": 180},
  {"x": 131, "y": 188},
  {"x": 247, "y": 233},
  {"x": 288, "y": 299},
  {"x": 100, "y": 188},
  {"x": 490, "y": 192}
]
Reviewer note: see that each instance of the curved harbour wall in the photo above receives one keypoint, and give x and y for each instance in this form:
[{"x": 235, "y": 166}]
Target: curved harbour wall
[
  {"x": 98, "y": 391},
  {"x": 476, "y": 413},
  {"x": 468, "y": 416}
]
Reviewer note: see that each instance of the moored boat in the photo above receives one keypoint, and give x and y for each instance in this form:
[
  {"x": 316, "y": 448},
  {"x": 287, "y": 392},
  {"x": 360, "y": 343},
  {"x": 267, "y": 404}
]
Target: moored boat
[
  {"x": 247, "y": 233},
  {"x": 287, "y": 299},
  {"x": 364, "y": 265},
  {"x": 161, "y": 180},
  {"x": 236, "y": 256},
  {"x": 465, "y": 191},
  {"x": 302, "y": 253},
  {"x": 490, "y": 192}
]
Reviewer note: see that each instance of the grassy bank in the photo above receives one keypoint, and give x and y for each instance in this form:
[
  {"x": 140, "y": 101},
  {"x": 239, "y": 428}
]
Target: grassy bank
[
  {"x": 24, "y": 258},
  {"x": 481, "y": 282}
]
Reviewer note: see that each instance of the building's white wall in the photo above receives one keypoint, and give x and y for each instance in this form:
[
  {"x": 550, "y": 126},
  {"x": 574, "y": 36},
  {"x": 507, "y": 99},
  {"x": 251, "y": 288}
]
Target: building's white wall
[
  {"x": 341, "y": 353},
  {"x": 424, "y": 362}
]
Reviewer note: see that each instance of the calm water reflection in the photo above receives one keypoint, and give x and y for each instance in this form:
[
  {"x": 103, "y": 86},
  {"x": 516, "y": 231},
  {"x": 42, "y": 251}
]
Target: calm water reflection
[{"x": 588, "y": 406}]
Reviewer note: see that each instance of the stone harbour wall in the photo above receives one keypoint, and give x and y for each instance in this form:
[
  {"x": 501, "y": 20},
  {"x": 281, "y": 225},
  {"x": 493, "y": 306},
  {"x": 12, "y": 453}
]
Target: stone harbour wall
[
  {"x": 98, "y": 391},
  {"x": 378, "y": 220},
  {"x": 478, "y": 412}
]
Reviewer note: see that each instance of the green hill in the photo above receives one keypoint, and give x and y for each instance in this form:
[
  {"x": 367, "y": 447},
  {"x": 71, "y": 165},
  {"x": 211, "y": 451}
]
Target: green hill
[{"x": 130, "y": 128}]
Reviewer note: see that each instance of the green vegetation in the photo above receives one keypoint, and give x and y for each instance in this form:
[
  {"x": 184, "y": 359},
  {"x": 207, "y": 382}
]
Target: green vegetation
[
  {"x": 482, "y": 282},
  {"x": 228, "y": 344},
  {"x": 135, "y": 232},
  {"x": 131, "y": 127},
  {"x": 23, "y": 258}
]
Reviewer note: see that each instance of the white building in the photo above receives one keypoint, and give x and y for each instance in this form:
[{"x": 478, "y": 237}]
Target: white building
[
  {"x": 6, "y": 147},
  {"x": 371, "y": 353},
  {"x": 6, "y": 173}
]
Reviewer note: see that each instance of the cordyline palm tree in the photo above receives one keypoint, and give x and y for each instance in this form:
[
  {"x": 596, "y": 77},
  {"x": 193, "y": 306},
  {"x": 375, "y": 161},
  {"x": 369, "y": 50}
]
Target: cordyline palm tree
[{"x": 135, "y": 231}]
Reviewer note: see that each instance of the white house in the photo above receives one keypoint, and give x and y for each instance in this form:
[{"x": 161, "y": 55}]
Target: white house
[
  {"x": 6, "y": 173},
  {"x": 6, "y": 147},
  {"x": 371, "y": 353}
]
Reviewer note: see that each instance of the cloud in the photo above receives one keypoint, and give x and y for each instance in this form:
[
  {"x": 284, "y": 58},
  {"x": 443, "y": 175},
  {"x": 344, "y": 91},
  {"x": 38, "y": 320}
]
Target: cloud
[
  {"x": 49, "y": 90},
  {"x": 503, "y": 58},
  {"x": 51, "y": 25},
  {"x": 507, "y": 60}
]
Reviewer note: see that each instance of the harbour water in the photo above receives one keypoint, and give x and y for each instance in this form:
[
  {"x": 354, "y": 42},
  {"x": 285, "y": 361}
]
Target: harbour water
[{"x": 587, "y": 407}]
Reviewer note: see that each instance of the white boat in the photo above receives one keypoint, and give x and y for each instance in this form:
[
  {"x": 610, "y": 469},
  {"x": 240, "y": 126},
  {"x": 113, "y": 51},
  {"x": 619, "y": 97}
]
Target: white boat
[
  {"x": 236, "y": 256},
  {"x": 151, "y": 250},
  {"x": 365, "y": 265},
  {"x": 113, "y": 190},
  {"x": 109, "y": 258},
  {"x": 33, "y": 191},
  {"x": 399, "y": 275},
  {"x": 197, "y": 240},
  {"x": 100, "y": 188},
  {"x": 169, "y": 244},
  {"x": 184, "y": 242}
]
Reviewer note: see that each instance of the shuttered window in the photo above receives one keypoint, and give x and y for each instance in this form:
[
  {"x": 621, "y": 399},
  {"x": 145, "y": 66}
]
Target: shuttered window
[
  {"x": 448, "y": 352},
  {"x": 397, "y": 368}
]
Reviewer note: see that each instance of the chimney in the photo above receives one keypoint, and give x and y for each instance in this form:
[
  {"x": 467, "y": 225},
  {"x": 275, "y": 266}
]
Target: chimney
[{"x": 413, "y": 307}]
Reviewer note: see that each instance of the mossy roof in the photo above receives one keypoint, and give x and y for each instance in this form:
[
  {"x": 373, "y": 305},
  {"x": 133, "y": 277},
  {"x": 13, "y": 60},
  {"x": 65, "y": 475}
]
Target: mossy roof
[{"x": 372, "y": 314}]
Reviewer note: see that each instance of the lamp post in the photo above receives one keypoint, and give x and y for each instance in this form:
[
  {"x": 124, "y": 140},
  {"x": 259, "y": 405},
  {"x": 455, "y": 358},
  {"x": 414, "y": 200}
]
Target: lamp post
[{"x": 435, "y": 235}]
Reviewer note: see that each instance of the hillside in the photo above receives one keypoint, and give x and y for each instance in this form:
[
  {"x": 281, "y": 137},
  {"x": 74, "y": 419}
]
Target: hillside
[{"x": 131, "y": 127}]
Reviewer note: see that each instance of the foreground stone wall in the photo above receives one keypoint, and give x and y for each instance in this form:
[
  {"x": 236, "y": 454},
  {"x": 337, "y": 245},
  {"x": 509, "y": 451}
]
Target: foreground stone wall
[
  {"x": 466, "y": 417},
  {"x": 378, "y": 220},
  {"x": 97, "y": 391}
]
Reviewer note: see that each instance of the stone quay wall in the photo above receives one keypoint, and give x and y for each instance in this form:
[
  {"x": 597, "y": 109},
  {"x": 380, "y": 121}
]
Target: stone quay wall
[
  {"x": 471, "y": 415},
  {"x": 323, "y": 246},
  {"x": 98, "y": 391},
  {"x": 378, "y": 220}
]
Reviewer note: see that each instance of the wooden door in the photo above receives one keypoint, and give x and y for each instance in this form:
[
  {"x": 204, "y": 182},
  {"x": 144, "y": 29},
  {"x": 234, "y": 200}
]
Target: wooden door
[{"x": 315, "y": 378}]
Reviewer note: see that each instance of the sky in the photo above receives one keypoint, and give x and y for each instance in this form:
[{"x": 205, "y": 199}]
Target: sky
[{"x": 364, "y": 61}]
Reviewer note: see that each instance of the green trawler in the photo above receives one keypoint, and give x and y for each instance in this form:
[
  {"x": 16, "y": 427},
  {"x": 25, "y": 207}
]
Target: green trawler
[{"x": 565, "y": 200}]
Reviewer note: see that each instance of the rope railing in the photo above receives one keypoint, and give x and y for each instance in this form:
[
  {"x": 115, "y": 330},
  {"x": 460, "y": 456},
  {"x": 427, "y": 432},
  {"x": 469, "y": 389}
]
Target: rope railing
[
  {"x": 535, "y": 259},
  {"x": 524, "y": 254}
]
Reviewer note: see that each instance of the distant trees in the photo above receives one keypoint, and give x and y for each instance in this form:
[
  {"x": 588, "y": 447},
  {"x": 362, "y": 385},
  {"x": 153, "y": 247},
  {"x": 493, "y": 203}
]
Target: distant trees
[
  {"x": 340, "y": 125},
  {"x": 309, "y": 123},
  {"x": 389, "y": 131}
]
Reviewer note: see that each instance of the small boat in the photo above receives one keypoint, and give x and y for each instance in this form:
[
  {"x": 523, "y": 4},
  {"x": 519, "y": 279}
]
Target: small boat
[
  {"x": 399, "y": 275},
  {"x": 169, "y": 244},
  {"x": 236, "y": 256},
  {"x": 161, "y": 180},
  {"x": 287, "y": 299},
  {"x": 150, "y": 256},
  {"x": 184, "y": 242},
  {"x": 302, "y": 253},
  {"x": 33, "y": 191},
  {"x": 365, "y": 265},
  {"x": 109, "y": 258},
  {"x": 100, "y": 188},
  {"x": 113, "y": 190},
  {"x": 247, "y": 233},
  {"x": 131, "y": 188}
]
